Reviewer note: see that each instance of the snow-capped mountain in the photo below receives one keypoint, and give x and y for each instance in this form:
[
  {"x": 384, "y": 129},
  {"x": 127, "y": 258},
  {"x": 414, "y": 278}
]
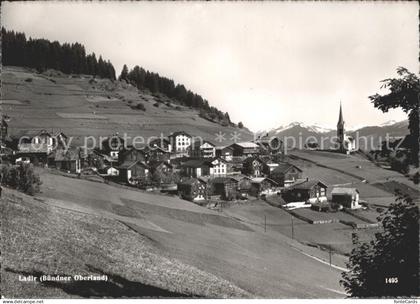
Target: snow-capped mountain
[{"x": 374, "y": 134}]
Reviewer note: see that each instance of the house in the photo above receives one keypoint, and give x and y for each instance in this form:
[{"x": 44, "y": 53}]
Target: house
[
  {"x": 35, "y": 145},
  {"x": 112, "y": 146},
  {"x": 262, "y": 186},
  {"x": 309, "y": 191},
  {"x": 192, "y": 189},
  {"x": 162, "y": 143},
  {"x": 156, "y": 154},
  {"x": 286, "y": 174},
  {"x": 133, "y": 172},
  {"x": 225, "y": 153},
  {"x": 245, "y": 149},
  {"x": 180, "y": 142},
  {"x": 226, "y": 187},
  {"x": 132, "y": 154},
  {"x": 163, "y": 173},
  {"x": 244, "y": 184},
  {"x": 109, "y": 171},
  {"x": 253, "y": 166},
  {"x": 202, "y": 149},
  {"x": 67, "y": 160},
  {"x": 347, "y": 197},
  {"x": 218, "y": 167},
  {"x": 269, "y": 144},
  {"x": 36, "y": 141},
  {"x": 59, "y": 140},
  {"x": 196, "y": 168}
]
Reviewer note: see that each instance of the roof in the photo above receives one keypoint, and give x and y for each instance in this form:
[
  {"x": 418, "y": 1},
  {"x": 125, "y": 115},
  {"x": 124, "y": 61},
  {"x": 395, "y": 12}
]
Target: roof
[
  {"x": 190, "y": 181},
  {"x": 33, "y": 148},
  {"x": 251, "y": 159},
  {"x": 344, "y": 191},
  {"x": 222, "y": 180},
  {"x": 63, "y": 155},
  {"x": 284, "y": 167},
  {"x": 239, "y": 177},
  {"x": 198, "y": 143},
  {"x": 308, "y": 184},
  {"x": 259, "y": 180},
  {"x": 174, "y": 134},
  {"x": 33, "y": 133},
  {"x": 195, "y": 163},
  {"x": 246, "y": 144},
  {"x": 129, "y": 164}
]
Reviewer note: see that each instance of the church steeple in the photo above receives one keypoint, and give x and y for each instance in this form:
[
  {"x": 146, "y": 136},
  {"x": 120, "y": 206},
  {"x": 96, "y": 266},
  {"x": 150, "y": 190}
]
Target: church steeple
[
  {"x": 340, "y": 118},
  {"x": 340, "y": 129}
]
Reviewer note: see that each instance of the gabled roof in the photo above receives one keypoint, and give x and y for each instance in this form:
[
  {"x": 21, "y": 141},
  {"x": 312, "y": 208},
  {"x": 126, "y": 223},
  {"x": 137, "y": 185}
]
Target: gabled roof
[
  {"x": 63, "y": 155},
  {"x": 259, "y": 180},
  {"x": 174, "y": 134},
  {"x": 284, "y": 167},
  {"x": 344, "y": 191},
  {"x": 198, "y": 143},
  {"x": 191, "y": 181},
  {"x": 309, "y": 184},
  {"x": 246, "y": 144},
  {"x": 196, "y": 163},
  {"x": 239, "y": 177},
  {"x": 129, "y": 164},
  {"x": 252, "y": 158},
  {"x": 222, "y": 180}
]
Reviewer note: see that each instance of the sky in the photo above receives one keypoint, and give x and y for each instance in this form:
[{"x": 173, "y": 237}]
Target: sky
[{"x": 266, "y": 63}]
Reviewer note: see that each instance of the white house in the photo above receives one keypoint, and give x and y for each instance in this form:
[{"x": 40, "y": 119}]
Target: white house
[
  {"x": 202, "y": 149},
  {"x": 218, "y": 168},
  {"x": 180, "y": 142}
]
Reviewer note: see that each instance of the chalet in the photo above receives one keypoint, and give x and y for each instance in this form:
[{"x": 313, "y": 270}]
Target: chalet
[
  {"x": 67, "y": 160},
  {"x": 156, "y": 154},
  {"x": 132, "y": 154},
  {"x": 218, "y": 167},
  {"x": 253, "y": 166},
  {"x": 226, "y": 187},
  {"x": 245, "y": 149},
  {"x": 309, "y": 191},
  {"x": 109, "y": 171},
  {"x": 59, "y": 140},
  {"x": 262, "y": 186},
  {"x": 36, "y": 141},
  {"x": 192, "y": 189},
  {"x": 180, "y": 142},
  {"x": 347, "y": 197},
  {"x": 202, "y": 149},
  {"x": 225, "y": 153},
  {"x": 286, "y": 174},
  {"x": 162, "y": 143},
  {"x": 112, "y": 146},
  {"x": 244, "y": 184},
  {"x": 269, "y": 144},
  {"x": 196, "y": 168},
  {"x": 133, "y": 172}
]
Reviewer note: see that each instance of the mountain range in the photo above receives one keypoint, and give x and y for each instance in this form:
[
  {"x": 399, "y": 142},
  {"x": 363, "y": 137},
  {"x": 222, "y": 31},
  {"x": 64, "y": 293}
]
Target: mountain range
[{"x": 368, "y": 137}]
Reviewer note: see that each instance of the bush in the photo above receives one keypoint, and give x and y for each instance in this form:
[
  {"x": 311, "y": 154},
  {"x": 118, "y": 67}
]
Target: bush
[
  {"x": 28, "y": 79},
  {"x": 156, "y": 104},
  {"x": 22, "y": 178},
  {"x": 139, "y": 106}
]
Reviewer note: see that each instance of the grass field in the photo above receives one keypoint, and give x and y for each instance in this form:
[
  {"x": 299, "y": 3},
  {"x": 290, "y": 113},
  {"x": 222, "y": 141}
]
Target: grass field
[
  {"x": 376, "y": 185},
  {"x": 39, "y": 239},
  {"x": 217, "y": 244},
  {"x": 80, "y": 107}
]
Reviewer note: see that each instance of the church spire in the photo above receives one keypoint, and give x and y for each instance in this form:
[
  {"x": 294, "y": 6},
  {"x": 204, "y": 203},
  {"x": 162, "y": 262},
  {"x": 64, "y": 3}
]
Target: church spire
[{"x": 340, "y": 117}]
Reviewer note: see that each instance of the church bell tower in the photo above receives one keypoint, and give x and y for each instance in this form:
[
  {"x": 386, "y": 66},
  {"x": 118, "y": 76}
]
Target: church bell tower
[{"x": 340, "y": 130}]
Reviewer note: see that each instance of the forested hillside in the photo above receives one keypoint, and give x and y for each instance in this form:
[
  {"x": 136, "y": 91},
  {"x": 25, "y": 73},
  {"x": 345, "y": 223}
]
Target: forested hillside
[{"x": 42, "y": 54}]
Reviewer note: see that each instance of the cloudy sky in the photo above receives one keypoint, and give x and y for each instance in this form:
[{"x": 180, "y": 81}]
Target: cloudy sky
[{"x": 267, "y": 64}]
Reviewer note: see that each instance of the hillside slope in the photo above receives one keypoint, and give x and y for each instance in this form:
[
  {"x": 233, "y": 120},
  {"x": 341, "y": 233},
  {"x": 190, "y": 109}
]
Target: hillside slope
[{"x": 80, "y": 106}]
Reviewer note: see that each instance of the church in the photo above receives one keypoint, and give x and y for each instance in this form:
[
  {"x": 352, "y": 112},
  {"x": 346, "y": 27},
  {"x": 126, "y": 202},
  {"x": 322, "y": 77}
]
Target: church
[{"x": 346, "y": 144}]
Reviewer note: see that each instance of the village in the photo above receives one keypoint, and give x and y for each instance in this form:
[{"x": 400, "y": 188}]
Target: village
[{"x": 194, "y": 169}]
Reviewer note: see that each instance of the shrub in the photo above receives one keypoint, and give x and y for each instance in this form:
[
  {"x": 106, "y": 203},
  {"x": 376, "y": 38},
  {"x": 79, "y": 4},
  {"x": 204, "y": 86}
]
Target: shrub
[
  {"x": 156, "y": 104},
  {"x": 28, "y": 79},
  {"x": 140, "y": 106},
  {"x": 22, "y": 178},
  {"x": 178, "y": 108}
]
